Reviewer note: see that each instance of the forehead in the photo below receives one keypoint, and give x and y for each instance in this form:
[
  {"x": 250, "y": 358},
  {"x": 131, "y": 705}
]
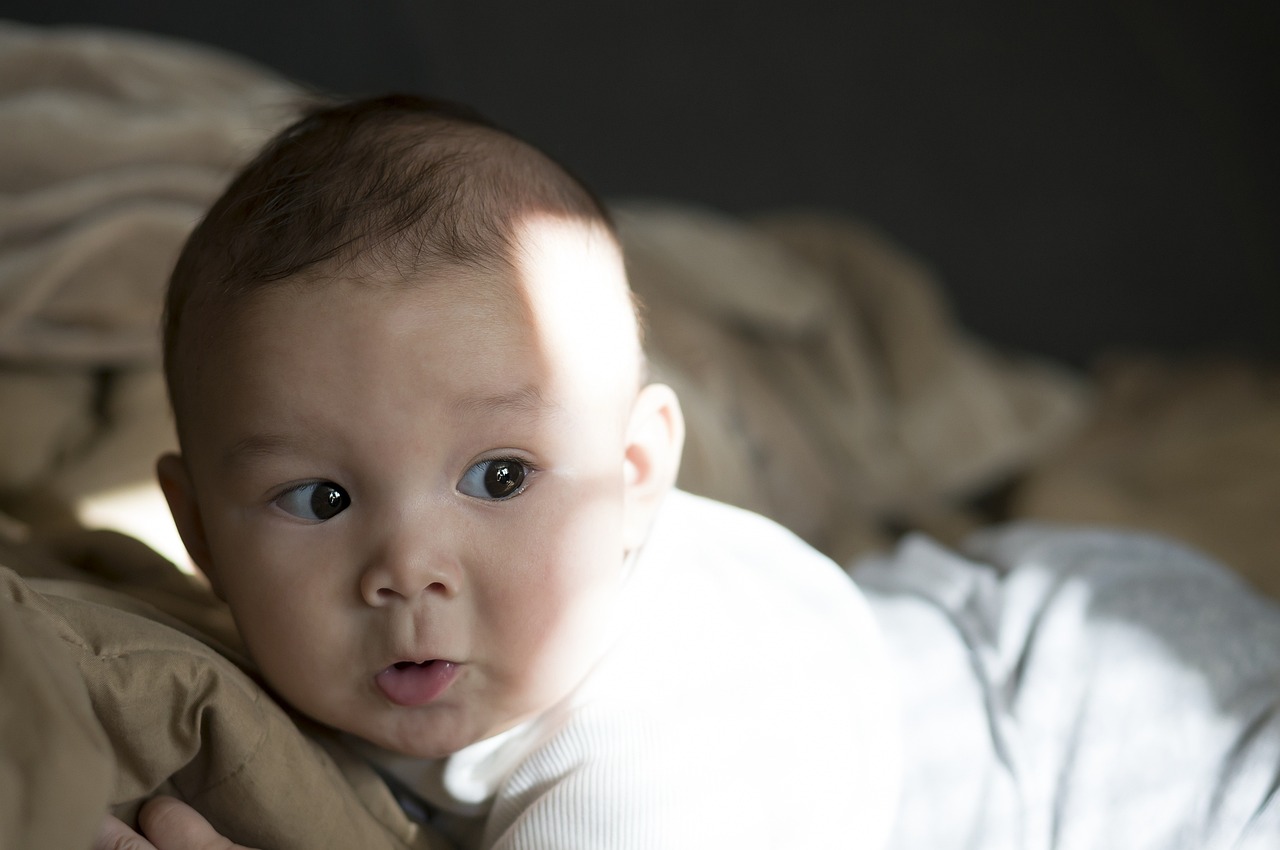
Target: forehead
[
  {"x": 557, "y": 318},
  {"x": 573, "y": 279}
]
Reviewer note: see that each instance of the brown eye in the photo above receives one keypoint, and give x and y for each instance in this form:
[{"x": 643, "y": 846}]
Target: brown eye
[
  {"x": 494, "y": 479},
  {"x": 328, "y": 501},
  {"x": 503, "y": 478},
  {"x": 316, "y": 501}
]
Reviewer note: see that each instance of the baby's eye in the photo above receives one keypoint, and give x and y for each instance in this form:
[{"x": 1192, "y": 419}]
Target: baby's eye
[
  {"x": 494, "y": 479},
  {"x": 315, "y": 500}
]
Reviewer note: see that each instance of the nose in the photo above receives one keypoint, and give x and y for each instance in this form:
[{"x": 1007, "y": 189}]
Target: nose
[{"x": 404, "y": 571}]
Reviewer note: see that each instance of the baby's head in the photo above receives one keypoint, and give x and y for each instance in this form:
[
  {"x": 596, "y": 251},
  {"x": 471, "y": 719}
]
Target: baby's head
[{"x": 417, "y": 449}]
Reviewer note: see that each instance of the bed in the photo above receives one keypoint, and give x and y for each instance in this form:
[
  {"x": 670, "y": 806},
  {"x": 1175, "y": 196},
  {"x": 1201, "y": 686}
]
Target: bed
[{"x": 824, "y": 377}]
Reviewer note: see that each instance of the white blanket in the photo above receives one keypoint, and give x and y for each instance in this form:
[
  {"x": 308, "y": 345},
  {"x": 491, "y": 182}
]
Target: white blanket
[{"x": 1075, "y": 690}]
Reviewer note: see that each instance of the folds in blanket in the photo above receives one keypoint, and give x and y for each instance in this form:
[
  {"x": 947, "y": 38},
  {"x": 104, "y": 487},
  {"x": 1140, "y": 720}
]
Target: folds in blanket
[
  {"x": 824, "y": 380},
  {"x": 56, "y": 763},
  {"x": 123, "y": 707},
  {"x": 1072, "y": 688},
  {"x": 114, "y": 145}
]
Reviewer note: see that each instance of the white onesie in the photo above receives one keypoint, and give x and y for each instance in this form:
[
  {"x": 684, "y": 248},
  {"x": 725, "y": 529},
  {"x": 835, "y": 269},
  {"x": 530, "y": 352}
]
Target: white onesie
[{"x": 748, "y": 704}]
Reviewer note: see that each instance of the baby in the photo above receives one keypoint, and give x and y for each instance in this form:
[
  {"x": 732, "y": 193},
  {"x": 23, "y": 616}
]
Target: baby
[{"x": 422, "y": 464}]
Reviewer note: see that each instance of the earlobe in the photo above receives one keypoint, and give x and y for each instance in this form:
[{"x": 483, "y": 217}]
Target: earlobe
[
  {"x": 655, "y": 440},
  {"x": 175, "y": 482}
]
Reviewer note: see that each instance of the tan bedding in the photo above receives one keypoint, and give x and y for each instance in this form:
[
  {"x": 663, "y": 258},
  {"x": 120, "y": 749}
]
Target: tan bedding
[
  {"x": 824, "y": 379},
  {"x": 121, "y": 699},
  {"x": 1189, "y": 449}
]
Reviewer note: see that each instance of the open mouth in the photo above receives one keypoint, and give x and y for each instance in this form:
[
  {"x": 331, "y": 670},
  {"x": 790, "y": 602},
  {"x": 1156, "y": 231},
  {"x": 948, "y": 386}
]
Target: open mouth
[
  {"x": 405, "y": 665},
  {"x": 414, "y": 683}
]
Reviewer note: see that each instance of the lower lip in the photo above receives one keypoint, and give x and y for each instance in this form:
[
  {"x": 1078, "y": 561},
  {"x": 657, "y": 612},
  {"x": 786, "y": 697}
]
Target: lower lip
[{"x": 416, "y": 684}]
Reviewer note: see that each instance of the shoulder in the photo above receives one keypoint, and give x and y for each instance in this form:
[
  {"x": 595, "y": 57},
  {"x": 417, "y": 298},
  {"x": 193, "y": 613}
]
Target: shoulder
[
  {"x": 751, "y": 693},
  {"x": 741, "y": 561},
  {"x": 689, "y": 526}
]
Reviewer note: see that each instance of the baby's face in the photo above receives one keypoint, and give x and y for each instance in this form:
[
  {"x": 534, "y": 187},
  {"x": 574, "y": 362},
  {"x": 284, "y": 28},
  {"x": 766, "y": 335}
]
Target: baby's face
[{"x": 413, "y": 496}]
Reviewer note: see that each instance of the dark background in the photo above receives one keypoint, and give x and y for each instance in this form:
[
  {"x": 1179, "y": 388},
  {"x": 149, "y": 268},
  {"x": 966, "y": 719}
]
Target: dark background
[{"x": 1083, "y": 177}]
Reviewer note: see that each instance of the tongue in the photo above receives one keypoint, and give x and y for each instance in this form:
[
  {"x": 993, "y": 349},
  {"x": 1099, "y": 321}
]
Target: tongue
[{"x": 411, "y": 684}]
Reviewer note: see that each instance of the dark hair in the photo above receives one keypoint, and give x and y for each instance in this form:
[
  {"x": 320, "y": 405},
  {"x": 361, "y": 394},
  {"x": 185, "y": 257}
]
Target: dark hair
[{"x": 397, "y": 181}]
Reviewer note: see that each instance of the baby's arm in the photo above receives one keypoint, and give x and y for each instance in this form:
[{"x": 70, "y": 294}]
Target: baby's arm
[{"x": 169, "y": 824}]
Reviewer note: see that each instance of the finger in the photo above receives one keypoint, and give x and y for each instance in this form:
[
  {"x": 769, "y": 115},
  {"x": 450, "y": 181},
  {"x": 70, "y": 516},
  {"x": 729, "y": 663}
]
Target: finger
[
  {"x": 173, "y": 825},
  {"x": 114, "y": 834}
]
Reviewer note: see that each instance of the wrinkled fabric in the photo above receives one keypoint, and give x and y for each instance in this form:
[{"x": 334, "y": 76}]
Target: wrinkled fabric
[
  {"x": 1076, "y": 689},
  {"x": 109, "y": 700}
]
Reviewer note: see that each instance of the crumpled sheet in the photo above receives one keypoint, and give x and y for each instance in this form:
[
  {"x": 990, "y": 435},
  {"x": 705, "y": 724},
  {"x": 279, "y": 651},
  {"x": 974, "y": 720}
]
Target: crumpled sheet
[{"x": 1073, "y": 689}]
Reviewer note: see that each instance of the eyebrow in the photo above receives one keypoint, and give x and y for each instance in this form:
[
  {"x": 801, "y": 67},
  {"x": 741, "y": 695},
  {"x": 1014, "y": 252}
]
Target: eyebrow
[
  {"x": 258, "y": 446},
  {"x": 527, "y": 400}
]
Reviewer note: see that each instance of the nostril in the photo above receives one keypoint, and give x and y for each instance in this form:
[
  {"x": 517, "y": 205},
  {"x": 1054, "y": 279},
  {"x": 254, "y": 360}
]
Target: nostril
[
  {"x": 384, "y": 587},
  {"x": 386, "y": 594},
  {"x": 390, "y": 594}
]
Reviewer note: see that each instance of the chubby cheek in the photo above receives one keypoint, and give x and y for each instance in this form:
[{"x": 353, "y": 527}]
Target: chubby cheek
[
  {"x": 550, "y": 614},
  {"x": 278, "y": 591}
]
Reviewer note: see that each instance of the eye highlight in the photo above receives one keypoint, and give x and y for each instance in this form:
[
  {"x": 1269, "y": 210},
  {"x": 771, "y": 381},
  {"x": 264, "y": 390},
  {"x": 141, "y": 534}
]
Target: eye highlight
[
  {"x": 316, "y": 501},
  {"x": 494, "y": 480}
]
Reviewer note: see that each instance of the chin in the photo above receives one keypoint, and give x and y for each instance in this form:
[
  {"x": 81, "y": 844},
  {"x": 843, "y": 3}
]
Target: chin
[{"x": 428, "y": 741}]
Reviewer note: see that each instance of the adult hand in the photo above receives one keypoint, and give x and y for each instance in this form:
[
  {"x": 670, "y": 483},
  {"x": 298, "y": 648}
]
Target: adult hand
[{"x": 169, "y": 824}]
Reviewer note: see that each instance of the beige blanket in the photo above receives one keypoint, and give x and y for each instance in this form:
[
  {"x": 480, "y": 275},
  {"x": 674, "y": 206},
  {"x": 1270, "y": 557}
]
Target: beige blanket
[
  {"x": 121, "y": 680},
  {"x": 1188, "y": 449}
]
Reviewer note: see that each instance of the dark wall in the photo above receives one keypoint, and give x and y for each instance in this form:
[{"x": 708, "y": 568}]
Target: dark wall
[{"x": 1083, "y": 178}]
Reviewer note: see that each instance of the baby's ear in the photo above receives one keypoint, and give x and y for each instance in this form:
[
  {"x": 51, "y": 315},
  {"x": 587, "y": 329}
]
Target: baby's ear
[
  {"x": 175, "y": 482},
  {"x": 655, "y": 439}
]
